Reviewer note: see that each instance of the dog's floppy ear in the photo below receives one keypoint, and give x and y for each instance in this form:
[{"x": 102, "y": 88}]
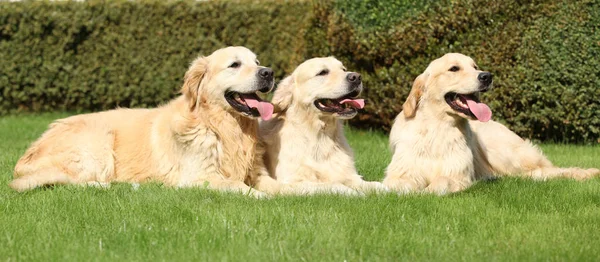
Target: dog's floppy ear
[
  {"x": 410, "y": 106},
  {"x": 193, "y": 79},
  {"x": 283, "y": 94}
]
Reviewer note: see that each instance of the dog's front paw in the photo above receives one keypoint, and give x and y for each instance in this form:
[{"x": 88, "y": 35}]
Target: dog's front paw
[
  {"x": 401, "y": 186},
  {"x": 438, "y": 189},
  {"x": 96, "y": 184},
  {"x": 444, "y": 185},
  {"x": 257, "y": 194},
  {"x": 344, "y": 190},
  {"x": 374, "y": 187}
]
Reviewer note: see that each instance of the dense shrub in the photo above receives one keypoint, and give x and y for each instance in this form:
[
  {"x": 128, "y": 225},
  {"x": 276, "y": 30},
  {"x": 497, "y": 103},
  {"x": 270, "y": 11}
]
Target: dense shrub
[
  {"x": 543, "y": 55},
  {"x": 100, "y": 54},
  {"x": 560, "y": 70},
  {"x": 96, "y": 55}
]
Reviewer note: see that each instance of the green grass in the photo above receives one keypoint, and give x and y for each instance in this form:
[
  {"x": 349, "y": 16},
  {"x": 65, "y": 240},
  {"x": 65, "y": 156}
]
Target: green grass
[{"x": 507, "y": 220}]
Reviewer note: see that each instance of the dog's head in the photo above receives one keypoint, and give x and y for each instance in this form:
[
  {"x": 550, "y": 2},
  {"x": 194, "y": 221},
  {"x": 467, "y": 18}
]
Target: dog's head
[
  {"x": 322, "y": 85},
  {"x": 451, "y": 84},
  {"x": 230, "y": 78}
]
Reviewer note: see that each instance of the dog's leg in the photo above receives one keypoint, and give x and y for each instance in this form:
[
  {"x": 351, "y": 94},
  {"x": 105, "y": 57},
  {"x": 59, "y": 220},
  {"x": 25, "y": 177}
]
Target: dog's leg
[
  {"x": 236, "y": 187},
  {"x": 268, "y": 185},
  {"x": 443, "y": 185},
  {"x": 528, "y": 161},
  {"x": 402, "y": 185},
  {"x": 338, "y": 189},
  {"x": 314, "y": 188},
  {"x": 545, "y": 173},
  {"x": 272, "y": 186},
  {"x": 75, "y": 161},
  {"x": 439, "y": 186},
  {"x": 96, "y": 184},
  {"x": 510, "y": 155},
  {"x": 260, "y": 178},
  {"x": 39, "y": 178},
  {"x": 49, "y": 176},
  {"x": 225, "y": 186},
  {"x": 367, "y": 186},
  {"x": 208, "y": 173}
]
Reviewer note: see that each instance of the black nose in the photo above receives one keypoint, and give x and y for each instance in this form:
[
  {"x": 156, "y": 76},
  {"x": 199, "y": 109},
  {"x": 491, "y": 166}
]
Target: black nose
[
  {"x": 265, "y": 89},
  {"x": 353, "y": 77},
  {"x": 485, "y": 78},
  {"x": 266, "y": 73}
]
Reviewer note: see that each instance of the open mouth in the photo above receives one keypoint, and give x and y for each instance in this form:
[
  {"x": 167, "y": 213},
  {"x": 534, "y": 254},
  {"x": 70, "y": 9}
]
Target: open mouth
[
  {"x": 345, "y": 106},
  {"x": 249, "y": 104},
  {"x": 469, "y": 105}
]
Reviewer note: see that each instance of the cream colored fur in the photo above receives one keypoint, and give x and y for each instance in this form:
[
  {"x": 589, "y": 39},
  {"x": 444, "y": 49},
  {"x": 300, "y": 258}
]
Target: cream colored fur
[
  {"x": 306, "y": 148},
  {"x": 196, "y": 140},
  {"x": 439, "y": 150}
]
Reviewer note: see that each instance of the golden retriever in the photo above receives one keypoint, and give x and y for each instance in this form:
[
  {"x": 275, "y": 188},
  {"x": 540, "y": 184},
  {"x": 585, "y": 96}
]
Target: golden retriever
[
  {"x": 207, "y": 137},
  {"x": 443, "y": 140},
  {"x": 306, "y": 148}
]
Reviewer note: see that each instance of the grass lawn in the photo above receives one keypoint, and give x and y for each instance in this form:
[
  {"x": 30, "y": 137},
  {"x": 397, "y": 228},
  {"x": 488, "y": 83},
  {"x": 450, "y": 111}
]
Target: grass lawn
[{"x": 507, "y": 220}]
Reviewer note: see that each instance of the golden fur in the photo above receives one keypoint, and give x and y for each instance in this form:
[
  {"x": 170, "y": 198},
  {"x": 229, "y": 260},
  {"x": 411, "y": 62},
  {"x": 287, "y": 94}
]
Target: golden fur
[
  {"x": 306, "y": 148},
  {"x": 197, "y": 139},
  {"x": 440, "y": 150}
]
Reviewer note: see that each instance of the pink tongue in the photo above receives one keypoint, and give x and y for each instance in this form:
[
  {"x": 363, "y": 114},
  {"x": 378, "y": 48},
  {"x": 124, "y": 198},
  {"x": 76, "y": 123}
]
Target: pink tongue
[
  {"x": 356, "y": 103},
  {"x": 265, "y": 109},
  {"x": 480, "y": 110}
]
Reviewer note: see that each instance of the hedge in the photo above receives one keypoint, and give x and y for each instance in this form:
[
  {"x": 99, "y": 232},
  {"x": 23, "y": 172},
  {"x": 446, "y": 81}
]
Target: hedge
[
  {"x": 101, "y": 54},
  {"x": 544, "y": 55},
  {"x": 97, "y": 55}
]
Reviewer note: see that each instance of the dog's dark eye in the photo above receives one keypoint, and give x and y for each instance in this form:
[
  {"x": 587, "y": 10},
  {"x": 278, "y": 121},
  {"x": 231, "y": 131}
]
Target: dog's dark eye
[
  {"x": 257, "y": 62},
  {"x": 476, "y": 67},
  {"x": 323, "y": 72},
  {"x": 454, "y": 69},
  {"x": 235, "y": 65}
]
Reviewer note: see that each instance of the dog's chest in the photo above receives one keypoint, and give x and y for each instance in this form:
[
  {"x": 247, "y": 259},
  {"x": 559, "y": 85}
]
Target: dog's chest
[
  {"x": 211, "y": 153},
  {"x": 437, "y": 151}
]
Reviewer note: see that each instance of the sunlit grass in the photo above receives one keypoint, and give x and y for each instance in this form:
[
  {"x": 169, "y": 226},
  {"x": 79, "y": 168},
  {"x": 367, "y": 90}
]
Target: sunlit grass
[{"x": 508, "y": 219}]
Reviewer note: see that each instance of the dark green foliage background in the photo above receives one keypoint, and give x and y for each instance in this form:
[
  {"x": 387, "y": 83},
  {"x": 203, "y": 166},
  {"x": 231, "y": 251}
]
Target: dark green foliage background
[{"x": 97, "y": 55}]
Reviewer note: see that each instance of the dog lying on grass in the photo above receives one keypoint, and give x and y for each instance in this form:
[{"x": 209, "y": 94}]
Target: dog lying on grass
[
  {"x": 306, "y": 148},
  {"x": 443, "y": 140},
  {"x": 207, "y": 137}
]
